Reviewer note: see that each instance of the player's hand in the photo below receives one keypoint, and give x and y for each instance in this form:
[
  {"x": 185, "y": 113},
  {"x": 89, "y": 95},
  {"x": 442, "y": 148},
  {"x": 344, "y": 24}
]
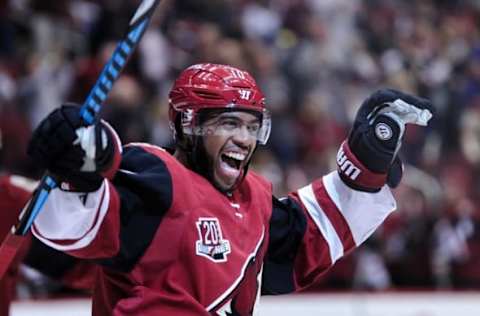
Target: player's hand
[
  {"x": 78, "y": 155},
  {"x": 368, "y": 158}
]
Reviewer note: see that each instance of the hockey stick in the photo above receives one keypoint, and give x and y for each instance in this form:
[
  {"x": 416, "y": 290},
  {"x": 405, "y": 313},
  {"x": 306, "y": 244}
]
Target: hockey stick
[{"x": 89, "y": 112}]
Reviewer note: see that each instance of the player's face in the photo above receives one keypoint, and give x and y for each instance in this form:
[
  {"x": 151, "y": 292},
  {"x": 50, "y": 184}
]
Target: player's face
[{"x": 230, "y": 139}]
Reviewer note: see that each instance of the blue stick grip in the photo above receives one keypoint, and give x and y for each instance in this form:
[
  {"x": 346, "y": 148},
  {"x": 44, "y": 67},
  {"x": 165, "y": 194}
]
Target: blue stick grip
[
  {"x": 90, "y": 109},
  {"x": 39, "y": 198},
  {"x": 111, "y": 72}
]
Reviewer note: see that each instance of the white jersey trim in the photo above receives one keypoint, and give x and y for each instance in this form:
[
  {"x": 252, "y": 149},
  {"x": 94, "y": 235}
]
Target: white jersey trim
[
  {"x": 23, "y": 183},
  {"x": 335, "y": 246},
  {"x": 64, "y": 216},
  {"x": 363, "y": 211}
]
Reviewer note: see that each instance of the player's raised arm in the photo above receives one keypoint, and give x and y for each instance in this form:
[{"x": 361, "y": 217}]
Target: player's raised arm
[
  {"x": 318, "y": 224},
  {"x": 81, "y": 158}
]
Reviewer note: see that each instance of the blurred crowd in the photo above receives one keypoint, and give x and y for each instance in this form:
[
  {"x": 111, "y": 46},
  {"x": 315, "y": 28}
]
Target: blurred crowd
[{"x": 316, "y": 60}]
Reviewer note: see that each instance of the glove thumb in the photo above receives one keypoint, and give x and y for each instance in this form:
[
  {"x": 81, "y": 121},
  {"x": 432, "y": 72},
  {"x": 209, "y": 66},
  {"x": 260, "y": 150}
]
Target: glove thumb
[{"x": 395, "y": 173}]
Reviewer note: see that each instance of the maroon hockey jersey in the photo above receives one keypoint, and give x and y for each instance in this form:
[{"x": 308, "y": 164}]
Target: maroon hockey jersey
[
  {"x": 169, "y": 243},
  {"x": 14, "y": 194}
]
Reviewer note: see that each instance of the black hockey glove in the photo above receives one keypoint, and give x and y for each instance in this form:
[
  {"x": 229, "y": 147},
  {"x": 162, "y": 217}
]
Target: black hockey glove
[
  {"x": 368, "y": 158},
  {"x": 79, "y": 156}
]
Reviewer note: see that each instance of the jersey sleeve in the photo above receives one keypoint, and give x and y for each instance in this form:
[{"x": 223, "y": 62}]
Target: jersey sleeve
[
  {"x": 115, "y": 224},
  {"x": 14, "y": 194},
  {"x": 315, "y": 226}
]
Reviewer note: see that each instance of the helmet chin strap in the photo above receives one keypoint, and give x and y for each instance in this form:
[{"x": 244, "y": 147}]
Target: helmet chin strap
[{"x": 199, "y": 160}]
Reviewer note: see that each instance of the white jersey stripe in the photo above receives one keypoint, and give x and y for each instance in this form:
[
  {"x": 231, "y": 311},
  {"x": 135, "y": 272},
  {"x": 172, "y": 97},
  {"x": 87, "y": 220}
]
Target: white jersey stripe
[
  {"x": 81, "y": 222},
  {"x": 363, "y": 211},
  {"x": 307, "y": 196}
]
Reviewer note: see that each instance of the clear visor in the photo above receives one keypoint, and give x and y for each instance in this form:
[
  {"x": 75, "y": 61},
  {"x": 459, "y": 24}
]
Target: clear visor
[{"x": 229, "y": 124}]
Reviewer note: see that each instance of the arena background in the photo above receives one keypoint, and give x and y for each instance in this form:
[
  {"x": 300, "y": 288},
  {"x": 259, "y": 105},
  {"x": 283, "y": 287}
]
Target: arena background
[{"x": 316, "y": 60}]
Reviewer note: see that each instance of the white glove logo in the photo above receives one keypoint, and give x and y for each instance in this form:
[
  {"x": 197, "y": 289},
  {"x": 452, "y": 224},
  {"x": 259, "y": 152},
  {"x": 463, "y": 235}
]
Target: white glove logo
[{"x": 383, "y": 131}]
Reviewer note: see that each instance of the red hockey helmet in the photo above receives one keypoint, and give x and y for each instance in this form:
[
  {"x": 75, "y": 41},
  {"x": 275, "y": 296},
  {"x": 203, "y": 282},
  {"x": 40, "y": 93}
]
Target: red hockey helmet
[{"x": 213, "y": 86}]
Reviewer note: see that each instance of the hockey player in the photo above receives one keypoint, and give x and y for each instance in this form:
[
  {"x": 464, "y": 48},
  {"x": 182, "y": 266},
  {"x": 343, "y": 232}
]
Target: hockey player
[
  {"x": 15, "y": 191},
  {"x": 193, "y": 232}
]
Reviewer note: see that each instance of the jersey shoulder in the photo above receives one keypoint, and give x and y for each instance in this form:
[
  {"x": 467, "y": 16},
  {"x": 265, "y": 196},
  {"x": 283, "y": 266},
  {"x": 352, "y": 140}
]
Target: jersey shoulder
[
  {"x": 141, "y": 156},
  {"x": 255, "y": 179}
]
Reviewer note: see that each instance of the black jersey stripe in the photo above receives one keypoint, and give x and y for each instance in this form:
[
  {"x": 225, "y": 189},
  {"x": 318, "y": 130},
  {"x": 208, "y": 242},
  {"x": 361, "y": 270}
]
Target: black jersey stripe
[{"x": 287, "y": 229}]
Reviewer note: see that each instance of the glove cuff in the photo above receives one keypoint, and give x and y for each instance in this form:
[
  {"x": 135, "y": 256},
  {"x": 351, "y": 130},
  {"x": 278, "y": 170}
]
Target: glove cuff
[
  {"x": 80, "y": 182},
  {"x": 114, "y": 162},
  {"x": 355, "y": 174}
]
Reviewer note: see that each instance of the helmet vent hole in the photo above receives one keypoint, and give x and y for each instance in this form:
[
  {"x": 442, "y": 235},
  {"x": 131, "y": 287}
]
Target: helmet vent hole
[
  {"x": 240, "y": 85},
  {"x": 207, "y": 95}
]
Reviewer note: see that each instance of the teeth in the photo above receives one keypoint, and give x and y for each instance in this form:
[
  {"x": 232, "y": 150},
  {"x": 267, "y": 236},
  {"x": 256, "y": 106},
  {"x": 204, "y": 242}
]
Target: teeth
[{"x": 236, "y": 156}]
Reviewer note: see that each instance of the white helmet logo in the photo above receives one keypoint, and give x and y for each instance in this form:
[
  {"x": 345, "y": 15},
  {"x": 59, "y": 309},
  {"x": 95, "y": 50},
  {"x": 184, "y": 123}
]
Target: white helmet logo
[
  {"x": 383, "y": 131},
  {"x": 244, "y": 94}
]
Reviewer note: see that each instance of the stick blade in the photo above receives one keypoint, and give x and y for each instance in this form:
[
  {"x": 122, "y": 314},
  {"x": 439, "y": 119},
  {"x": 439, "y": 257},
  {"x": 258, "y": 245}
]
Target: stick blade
[{"x": 8, "y": 250}]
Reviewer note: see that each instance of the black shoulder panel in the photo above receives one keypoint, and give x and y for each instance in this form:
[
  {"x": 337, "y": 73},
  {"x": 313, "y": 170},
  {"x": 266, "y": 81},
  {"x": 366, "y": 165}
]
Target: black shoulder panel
[
  {"x": 287, "y": 228},
  {"x": 144, "y": 184}
]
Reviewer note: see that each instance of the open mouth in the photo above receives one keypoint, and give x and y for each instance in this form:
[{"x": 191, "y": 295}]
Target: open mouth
[
  {"x": 233, "y": 160},
  {"x": 230, "y": 167}
]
